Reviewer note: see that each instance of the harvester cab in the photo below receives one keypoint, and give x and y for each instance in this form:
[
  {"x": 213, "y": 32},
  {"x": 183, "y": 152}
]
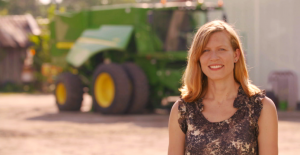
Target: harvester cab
[{"x": 130, "y": 56}]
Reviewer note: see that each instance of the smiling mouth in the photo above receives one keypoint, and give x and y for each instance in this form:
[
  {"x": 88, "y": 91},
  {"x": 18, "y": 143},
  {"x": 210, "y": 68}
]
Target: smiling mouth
[{"x": 215, "y": 67}]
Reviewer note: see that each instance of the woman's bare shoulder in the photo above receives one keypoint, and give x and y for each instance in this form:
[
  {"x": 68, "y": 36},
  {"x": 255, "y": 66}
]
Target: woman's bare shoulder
[
  {"x": 268, "y": 128},
  {"x": 268, "y": 112},
  {"x": 268, "y": 105},
  {"x": 179, "y": 103},
  {"x": 176, "y": 136}
]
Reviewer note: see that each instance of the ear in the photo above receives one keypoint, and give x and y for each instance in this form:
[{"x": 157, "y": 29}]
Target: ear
[{"x": 237, "y": 54}]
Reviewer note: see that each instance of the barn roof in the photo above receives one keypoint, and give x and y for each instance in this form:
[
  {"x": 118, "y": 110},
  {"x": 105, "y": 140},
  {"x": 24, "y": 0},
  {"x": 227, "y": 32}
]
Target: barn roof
[{"x": 14, "y": 30}]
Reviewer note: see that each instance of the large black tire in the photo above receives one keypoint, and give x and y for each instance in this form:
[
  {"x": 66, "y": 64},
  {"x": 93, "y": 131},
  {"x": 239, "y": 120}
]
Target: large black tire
[
  {"x": 112, "y": 73},
  {"x": 140, "y": 88},
  {"x": 68, "y": 92}
]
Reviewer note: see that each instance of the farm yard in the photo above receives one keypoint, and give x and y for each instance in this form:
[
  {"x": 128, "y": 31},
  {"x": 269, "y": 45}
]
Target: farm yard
[{"x": 32, "y": 125}]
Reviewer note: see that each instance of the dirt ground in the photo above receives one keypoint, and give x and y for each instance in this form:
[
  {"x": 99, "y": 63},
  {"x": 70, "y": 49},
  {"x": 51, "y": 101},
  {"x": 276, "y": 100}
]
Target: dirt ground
[{"x": 31, "y": 125}]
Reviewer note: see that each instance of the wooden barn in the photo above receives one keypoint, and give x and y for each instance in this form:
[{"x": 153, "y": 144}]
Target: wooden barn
[{"x": 14, "y": 46}]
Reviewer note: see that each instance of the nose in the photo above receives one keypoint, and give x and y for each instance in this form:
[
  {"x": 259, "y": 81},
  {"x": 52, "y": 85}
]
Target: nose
[{"x": 214, "y": 55}]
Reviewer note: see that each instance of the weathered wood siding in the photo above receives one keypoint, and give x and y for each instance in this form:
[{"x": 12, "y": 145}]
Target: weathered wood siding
[{"x": 11, "y": 65}]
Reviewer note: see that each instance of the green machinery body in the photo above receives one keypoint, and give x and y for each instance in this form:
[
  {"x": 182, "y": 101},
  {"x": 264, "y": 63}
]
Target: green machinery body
[{"x": 153, "y": 36}]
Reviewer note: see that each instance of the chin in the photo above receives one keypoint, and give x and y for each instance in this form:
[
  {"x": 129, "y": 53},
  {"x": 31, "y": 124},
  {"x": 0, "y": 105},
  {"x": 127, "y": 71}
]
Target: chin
[{"x": 217, "y": 77}]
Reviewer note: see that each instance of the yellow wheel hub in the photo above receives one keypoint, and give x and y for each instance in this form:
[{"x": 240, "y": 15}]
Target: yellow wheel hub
[
  {"x": 61, "y": 93},
  {"x": 104, "y": 90}
]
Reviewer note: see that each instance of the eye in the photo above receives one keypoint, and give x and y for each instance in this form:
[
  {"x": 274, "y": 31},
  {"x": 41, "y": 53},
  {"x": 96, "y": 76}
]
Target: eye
[
  {"x": 222, "y": 49},
  {"x": 205, "y": 51}
]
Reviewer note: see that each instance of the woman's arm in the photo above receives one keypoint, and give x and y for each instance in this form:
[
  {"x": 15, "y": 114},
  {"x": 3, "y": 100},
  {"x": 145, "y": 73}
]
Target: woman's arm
[
  {"x": 176, "y": 136},
  {"x": 268, "y": 129}
]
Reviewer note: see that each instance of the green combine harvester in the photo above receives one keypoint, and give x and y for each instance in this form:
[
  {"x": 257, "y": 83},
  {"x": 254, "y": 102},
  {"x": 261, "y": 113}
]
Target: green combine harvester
[{"x": 130, "y": 56}]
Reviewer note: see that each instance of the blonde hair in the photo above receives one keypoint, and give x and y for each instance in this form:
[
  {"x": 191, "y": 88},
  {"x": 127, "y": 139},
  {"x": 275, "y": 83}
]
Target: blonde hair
[{"x": 194, "y": 81}]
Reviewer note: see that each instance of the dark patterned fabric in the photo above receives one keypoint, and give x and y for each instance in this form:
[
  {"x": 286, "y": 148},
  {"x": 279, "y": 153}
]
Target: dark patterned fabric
[{"x": 236, "y": 135}]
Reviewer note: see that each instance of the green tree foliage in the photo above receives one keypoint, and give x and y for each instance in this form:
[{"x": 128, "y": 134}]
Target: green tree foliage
[
  {"x": 3, "y": 3},
  {"x": 77, "y": 5},
  {"x": 3, "y": 10},
  {"x": 18, "y": 7},
  {"x": 34, "y": 7}
]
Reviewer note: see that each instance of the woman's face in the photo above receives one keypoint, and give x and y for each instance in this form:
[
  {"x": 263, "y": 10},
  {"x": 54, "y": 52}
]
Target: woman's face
[{"x": 218, "y": 58}]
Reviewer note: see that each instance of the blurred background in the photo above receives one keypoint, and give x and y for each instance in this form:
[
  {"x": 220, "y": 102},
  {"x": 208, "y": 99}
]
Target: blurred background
[{"x": 87, "y": 77}]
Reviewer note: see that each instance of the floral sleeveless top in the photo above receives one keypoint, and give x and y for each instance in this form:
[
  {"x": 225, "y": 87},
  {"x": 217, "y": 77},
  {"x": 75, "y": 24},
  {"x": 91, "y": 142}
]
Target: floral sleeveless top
[{"x": 234, "y": 136}]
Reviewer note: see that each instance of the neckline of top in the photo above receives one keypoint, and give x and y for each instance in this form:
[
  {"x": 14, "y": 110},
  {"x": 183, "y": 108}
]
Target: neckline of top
[{"x": 236, "y": 104}]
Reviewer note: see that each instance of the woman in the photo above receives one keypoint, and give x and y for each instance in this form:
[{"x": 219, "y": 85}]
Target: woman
[{"x": 220, "y": 111}]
